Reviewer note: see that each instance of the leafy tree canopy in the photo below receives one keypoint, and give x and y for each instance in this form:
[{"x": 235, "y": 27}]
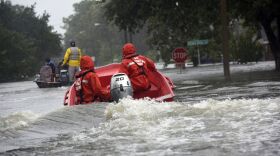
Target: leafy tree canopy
[
  {"x": 94, "y": 34},
  {"x": 174, "y": 22},
  {"x": 25, "y": 41}
]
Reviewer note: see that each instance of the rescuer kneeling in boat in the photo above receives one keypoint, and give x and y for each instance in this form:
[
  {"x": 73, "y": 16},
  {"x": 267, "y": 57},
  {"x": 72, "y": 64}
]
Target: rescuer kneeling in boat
[
  {"x": 136, "y": 67},
  {"x": 88, "y": 85}
]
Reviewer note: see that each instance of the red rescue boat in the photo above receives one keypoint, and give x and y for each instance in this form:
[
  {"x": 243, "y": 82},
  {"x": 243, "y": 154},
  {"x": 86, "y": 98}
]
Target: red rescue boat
[{"x": 161, "y": 86}]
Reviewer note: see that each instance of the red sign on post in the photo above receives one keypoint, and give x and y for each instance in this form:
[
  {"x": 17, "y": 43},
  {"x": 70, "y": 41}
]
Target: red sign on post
[{"x": 179, "y": 55}]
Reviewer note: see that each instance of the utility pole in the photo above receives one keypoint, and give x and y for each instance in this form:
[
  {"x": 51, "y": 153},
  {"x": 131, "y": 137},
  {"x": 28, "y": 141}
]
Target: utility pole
[
  {"x": 225, "y": 38},
  {"x": 125, "y": 35}
]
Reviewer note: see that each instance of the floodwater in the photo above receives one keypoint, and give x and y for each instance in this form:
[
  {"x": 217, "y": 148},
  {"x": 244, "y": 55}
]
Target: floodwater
[{"x": 208, "y": 117}]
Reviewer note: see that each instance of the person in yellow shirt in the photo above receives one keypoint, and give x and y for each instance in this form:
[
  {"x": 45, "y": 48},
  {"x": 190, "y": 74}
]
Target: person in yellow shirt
[{"x": 72, "y": 58}]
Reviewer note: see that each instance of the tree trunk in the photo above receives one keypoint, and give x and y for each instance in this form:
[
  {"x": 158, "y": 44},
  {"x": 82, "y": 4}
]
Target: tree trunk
[
  {"x": 225, "y": 38},
  {"x": 278, "y": 28},
  {"x": 277, "y": 59}
]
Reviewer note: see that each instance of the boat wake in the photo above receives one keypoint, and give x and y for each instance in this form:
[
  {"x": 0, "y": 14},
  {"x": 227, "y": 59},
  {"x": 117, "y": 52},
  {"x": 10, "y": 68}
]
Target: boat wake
[
  {"x": 17, "y": 120},
  {"x": 148, "y": 127},
  {"x": 151, "y": 128}
]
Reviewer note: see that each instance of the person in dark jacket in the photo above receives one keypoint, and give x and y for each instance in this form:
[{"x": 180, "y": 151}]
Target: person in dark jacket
[{"x": 51, "y": 64}]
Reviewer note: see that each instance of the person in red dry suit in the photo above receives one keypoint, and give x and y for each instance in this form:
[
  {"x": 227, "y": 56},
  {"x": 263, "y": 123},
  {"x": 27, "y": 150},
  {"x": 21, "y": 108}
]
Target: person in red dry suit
[
  {"x": 136, "y": 66},
  {"x": 88, "y": 85}
]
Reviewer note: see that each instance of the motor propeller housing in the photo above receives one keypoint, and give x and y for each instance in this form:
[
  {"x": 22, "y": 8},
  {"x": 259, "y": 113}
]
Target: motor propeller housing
[{"x": 120, "y": 87}]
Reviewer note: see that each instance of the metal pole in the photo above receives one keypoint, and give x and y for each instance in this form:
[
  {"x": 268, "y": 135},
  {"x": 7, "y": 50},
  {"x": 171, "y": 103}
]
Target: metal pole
[
  {"x": 125, "y": 36},
  {"x": 181, "y": 66},
  {"x": 198, "y": 55}
]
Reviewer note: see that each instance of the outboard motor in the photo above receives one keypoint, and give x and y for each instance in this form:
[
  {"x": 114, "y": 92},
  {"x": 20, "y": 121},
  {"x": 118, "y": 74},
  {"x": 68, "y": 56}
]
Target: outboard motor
[
  {"x": 120, "y": 86},
  {"x": 64, "y": 77}
]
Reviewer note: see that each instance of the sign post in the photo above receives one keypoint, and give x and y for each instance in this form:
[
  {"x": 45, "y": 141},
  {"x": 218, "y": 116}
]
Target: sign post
[
  {"x": 197, "y": 43},
  {"x": 179, "y": 55}
]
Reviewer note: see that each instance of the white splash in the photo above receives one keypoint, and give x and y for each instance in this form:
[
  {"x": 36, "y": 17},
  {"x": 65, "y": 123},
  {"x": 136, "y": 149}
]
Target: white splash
[
  {"x": 17, "y": 120},
  {"x": 147, "y": 126}
]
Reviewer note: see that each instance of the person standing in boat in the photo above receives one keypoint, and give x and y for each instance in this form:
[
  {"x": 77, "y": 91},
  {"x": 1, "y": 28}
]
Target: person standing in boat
[
  {"x": 72, "y": 58},
  {"x": 46, "y": 72},
  {"x": 51, "y": 64},
  {"x": 87, "y": 85},
  {"x": 136, "y": 67}
]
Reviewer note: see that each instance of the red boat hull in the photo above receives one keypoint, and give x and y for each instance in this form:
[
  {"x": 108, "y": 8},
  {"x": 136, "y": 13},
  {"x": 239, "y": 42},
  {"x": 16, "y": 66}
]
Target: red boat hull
[{"x": 161, "y": 89}]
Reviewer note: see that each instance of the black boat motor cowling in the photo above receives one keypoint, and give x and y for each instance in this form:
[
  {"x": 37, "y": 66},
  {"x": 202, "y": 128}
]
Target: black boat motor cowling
[{"x": 64, "y": 77}]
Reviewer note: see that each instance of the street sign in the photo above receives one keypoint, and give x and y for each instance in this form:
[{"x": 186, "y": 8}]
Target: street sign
[
  {"x": 179, "y": 55},
  {"x": 197, "y": 42}
]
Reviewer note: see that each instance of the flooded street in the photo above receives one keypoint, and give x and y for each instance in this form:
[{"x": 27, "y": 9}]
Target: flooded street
[{"x": 208, "y": 117}]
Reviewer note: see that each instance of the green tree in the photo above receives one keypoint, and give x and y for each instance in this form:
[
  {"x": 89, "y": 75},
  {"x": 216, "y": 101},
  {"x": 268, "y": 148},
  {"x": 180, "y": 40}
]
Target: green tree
[
  {"x": 261, "y": 14},
  {"x": 16, "y": 59},
  {"x": 245, "y": 48},
  {"x": 170, "y": 23},
  {"x": 118, "y": 11},
  {"x": 180, "y": 20},
  {"x": 25, "y": 41},
  {"x": 95, "y": 35},
  {"x": 92, "y": 32}
]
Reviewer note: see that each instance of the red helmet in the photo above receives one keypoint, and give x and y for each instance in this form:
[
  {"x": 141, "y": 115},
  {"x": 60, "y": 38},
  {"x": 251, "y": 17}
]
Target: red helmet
[
  {"x": 86, "y": 63},
  {"x": 128, "y": 49}
]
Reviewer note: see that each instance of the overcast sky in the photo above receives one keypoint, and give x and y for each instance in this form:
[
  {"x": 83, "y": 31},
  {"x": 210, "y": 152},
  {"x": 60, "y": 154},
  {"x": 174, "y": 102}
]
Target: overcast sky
[{"x": 57, "y": 9}]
